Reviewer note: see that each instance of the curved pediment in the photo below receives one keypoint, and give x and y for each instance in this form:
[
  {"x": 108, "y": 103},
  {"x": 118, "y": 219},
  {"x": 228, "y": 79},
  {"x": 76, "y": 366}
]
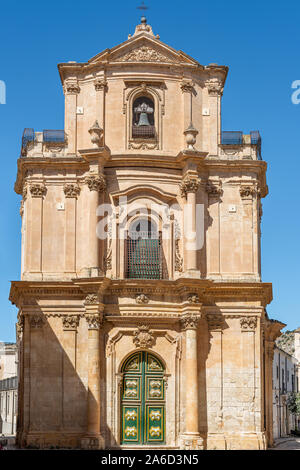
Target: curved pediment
[{"x": 145, "y": 191}]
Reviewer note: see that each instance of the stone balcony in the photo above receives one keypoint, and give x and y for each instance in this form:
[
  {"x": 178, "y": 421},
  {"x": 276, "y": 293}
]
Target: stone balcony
[
  {"x": 48, "y": 143},
  {"x": 238, "y": 146}
]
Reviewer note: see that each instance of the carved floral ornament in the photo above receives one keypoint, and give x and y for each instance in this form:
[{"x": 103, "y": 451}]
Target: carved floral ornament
[
  {"x": 248, "y": 323},
  {"x": 145, "y": 54},
  {"x": 94, "y": 321},
  {"x": 38, "y": 190},
  {"x": 143, "y": 337},
  {"x": 70, "y": 322},
  {"x": 91, "y": 299},
  {"x": 71, "y": 190},
  {"x": 100, "y": 84},
  {"x": 96, "y": 183},
  {"x": 193, "y": 299},
  {"x": 215, "y": 87},
  {"x": 214, "y": 189},
  {"x": 187, "y": 86},
  {"x": 142, "y": 299},
  {"x": 189, "y": 321},
  {"x": 214, "y": 321},
  {"x": 71, "y": 88},
  {"x": 189, "y": 185},
  {"x": 249, "y": 191},
  {"x": 36, "y": 321}
]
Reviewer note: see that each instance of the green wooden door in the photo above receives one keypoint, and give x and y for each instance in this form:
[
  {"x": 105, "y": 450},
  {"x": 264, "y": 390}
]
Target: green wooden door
[{"x": 143, "y": 400}]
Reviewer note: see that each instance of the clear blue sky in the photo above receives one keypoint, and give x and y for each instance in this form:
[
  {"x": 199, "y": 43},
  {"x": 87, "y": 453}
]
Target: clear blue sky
[{"x": 258, "y": 40}]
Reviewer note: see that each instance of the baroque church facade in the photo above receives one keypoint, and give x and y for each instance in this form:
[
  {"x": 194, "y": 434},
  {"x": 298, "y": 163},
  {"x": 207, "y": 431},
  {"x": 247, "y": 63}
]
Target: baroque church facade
[{"x": 142, "y": 315}]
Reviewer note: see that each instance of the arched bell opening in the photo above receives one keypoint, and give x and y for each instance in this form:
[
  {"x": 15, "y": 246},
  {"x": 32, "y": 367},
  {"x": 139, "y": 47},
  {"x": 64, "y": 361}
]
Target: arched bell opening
[
  {"x": 143, "y": 120},
  {"x": 143, "y": 400}
]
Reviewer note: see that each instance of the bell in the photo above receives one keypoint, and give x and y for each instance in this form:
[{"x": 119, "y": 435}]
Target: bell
[{"x": 143, "y": 121}]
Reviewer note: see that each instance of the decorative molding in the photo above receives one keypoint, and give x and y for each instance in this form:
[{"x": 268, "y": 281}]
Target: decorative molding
[
  {"x": 96, "y": 183},
  {"x": 142, "y": 299},
  {"x": 215, "y": 87},
  {"x": 71, "y": 190},
  {"x": 145, "y": 54},
  {"x": 142, "y": 145},
  {"x": 187, "y": 86},
  {"x": 24, "y": 193},
  {"x": 193, "y": 299},
  {"x": 20, "y": 326},
  {"x": 143, "y": 337},
  {"x": 70, "y": 322},
  {"x": 214, "y": 189},
  {"x": 189, "y": 185},
  {"x": 94, "y": 321},
  {"x": 100, "y": 84},
  {"x": 38, "y": 190},
  {"x": 189, "y": 322},
  {"x": 36, "y": 321},
  {"x": 22, "y": 208},
  {"x": 71, "y": 88},
  {"x": 215, "y": 321},
  {"x": 248, "y": 323},
  {"x": 178, "y": 257},
  {"x": 91, "y": 299},
  {"x": 248, "y": 191}
]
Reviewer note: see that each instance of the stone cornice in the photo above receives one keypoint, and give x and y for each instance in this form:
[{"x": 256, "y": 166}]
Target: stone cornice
[
  {"x": 158, "y": 160},
  {"x": 182, "y": 288}
]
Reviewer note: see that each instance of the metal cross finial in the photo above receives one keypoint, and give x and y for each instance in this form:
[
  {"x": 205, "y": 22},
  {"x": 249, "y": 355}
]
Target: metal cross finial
[{"x": 142, "y": 7}]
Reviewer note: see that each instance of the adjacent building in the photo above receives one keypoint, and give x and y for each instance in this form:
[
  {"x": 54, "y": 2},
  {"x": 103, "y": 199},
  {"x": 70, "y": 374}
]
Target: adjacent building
[
  {"x": 8, "y": 388},
  {"x": 142, "y": 314}
]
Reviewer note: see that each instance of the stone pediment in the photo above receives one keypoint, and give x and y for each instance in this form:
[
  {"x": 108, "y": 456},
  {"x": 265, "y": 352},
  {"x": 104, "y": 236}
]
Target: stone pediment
[{"x": 143, "y": 49}]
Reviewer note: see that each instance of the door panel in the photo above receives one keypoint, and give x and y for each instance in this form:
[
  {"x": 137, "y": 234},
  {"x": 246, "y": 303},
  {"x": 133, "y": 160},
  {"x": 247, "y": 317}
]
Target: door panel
[{"x": 143, "y": 400}]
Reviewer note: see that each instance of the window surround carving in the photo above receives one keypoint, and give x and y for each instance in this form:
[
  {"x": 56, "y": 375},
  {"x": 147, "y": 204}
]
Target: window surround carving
[{"x": 154, "y": 91}]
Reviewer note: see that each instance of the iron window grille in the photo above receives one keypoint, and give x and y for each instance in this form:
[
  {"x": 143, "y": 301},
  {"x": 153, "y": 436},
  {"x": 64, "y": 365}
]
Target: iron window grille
[{"x": 144, "y": 255}]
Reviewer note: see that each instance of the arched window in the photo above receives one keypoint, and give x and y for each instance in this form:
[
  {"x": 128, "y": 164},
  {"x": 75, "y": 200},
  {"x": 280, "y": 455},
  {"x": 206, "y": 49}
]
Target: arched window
[
  {"x": 143, "y": 125},
  {"x": 144, "y": 251}
]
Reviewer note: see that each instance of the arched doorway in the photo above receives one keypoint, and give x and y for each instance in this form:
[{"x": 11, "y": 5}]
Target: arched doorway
[{"x": 143, "y": 400}]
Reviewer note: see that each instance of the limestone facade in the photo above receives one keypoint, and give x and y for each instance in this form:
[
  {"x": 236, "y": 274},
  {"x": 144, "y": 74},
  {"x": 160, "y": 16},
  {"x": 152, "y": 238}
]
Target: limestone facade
[{"x": 81, "y": 317}]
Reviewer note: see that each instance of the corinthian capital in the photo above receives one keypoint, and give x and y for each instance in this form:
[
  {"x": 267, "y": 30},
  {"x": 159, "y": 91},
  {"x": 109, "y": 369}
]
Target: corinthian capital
[
  {"x": 96, "y": 183},
  {"x": 189, "y": 185},
  {"x": 38, "y": 190},
  {"x": 94, "y": 321},
  {"x": 70, "y": 322},
  {"x": 189, "y": 322},
  {"x": 187, "y": 86},
  {"x": 71, "y": 190},
  {"x": 71, "y": 88},
  {"x": 215, "y": 87},
  {"x": 100, "y": 84}
]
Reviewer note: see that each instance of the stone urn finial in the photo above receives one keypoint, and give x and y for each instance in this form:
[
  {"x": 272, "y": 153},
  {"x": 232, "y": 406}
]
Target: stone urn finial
[
  {"x": 190, "y": 136},
  {"x": 96, "y": 134}
]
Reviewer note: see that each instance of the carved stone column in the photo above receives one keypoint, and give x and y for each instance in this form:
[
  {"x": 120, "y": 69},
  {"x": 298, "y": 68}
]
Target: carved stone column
[
  {"x": 70, "y": 325},
  {"x": 71, "y": 191},
  {"x": 38, "y": 191},
  {"x": 215, "y": 91},
  {"x": 191, "y": 438},
  {"x": 71, "y": 90},
  {"x": 214, "y": 192},
  {"x": 189, "y": 188},
  {"x": 97, "y": 185},
  {"x": 100, "y": 87},
  {"x": 94, "y": 318}
]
